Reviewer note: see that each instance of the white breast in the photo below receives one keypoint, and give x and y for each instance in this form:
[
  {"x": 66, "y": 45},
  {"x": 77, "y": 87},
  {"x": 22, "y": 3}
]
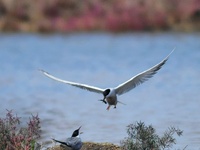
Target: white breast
[{"x": 112, "y": 93}]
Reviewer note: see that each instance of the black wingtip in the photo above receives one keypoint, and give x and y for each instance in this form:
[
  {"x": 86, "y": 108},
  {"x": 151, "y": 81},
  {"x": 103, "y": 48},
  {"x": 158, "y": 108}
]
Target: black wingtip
[
  {"x": 41, "y": 70},
  {"x": 170, "y": 53}
]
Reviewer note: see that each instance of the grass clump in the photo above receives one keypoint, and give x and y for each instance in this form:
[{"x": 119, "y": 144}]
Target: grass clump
[
  {"x": 13, "y": 137},
  {"x": 142, "y": 137}
]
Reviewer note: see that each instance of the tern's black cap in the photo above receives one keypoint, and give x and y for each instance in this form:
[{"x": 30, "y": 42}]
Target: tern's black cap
[
  {"x": 106, "y": 92},
  {"x": 76, "y": 132}
]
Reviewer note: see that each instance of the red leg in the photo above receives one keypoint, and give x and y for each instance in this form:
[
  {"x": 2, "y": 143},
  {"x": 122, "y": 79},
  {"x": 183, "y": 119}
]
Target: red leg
[{"x": 108, "y": 107}]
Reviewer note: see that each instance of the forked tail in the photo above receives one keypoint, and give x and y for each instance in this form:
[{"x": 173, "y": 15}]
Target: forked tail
[{"x": 121, "y": 103}]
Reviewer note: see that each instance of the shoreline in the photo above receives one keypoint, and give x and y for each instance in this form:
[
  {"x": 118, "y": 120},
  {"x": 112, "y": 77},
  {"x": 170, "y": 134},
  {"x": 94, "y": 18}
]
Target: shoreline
[{"x": 89, "y": 146}]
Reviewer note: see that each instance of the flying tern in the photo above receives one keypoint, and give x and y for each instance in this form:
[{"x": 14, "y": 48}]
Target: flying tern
[{"x": 110, "y": 94}]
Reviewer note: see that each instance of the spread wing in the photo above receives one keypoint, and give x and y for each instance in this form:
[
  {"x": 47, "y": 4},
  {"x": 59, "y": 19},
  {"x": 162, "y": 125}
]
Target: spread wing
[
  {"x": 139, "y": 78},
  {"x": 79, "y": 85}
]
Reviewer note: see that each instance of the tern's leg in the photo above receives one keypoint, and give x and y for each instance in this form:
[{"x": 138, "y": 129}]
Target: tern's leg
[
  {"x": 115, "y": 106},
  {"x": 108, "y": 107}
]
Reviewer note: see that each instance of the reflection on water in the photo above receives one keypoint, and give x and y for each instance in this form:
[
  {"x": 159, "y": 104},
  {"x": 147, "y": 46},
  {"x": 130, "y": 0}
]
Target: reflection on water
[{"x": 170, "y": 98}]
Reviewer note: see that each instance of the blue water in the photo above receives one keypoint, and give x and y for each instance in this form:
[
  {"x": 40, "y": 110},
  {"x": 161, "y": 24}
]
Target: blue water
[{"x": 170, "y": 98}]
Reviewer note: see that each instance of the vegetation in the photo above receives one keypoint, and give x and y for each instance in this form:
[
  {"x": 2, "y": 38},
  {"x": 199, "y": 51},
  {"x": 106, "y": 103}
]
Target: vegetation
[
  {"x": 142, "y": 137},
  {"x": 15, "y": 137},
  {"x": 90, "y": 15}
]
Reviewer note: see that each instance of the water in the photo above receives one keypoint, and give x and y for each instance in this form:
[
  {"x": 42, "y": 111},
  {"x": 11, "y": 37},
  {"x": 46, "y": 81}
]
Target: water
[{"x": 170, "y": 98}]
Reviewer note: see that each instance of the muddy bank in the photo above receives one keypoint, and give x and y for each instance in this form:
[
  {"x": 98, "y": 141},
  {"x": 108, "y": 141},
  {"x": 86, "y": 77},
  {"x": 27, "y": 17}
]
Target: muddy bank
[{"x": 90, "y": 146}]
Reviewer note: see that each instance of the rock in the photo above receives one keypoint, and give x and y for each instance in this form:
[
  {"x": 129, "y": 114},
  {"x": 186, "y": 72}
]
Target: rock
[{"x": 90, "y": 146}]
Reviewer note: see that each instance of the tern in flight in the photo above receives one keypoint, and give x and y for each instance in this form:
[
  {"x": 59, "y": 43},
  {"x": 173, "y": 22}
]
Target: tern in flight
[{"x": 110, "y": 94}]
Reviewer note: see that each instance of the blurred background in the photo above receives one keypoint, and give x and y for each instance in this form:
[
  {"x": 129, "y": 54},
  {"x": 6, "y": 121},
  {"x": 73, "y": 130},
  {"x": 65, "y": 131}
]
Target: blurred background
[
  {"x": 93, "y": 15},
  {"x": 101, "y": 43}
]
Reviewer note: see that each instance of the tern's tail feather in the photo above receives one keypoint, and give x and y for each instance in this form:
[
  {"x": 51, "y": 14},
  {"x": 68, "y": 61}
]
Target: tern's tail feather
[
  {"x": 121, "y": 103},
  {"x": 64, "y": 143}
]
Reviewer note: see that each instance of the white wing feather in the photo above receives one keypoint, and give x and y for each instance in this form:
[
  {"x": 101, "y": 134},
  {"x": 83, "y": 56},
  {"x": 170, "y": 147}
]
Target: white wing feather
[
  {"x": 79, "y": 85},
  {"x": 139, "y": 78}
]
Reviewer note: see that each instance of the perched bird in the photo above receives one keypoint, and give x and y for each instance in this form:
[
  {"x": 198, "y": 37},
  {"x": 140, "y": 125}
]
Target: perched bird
[
  {"x": 74, "y": 141},
  {"x": 110, "y": 94}
]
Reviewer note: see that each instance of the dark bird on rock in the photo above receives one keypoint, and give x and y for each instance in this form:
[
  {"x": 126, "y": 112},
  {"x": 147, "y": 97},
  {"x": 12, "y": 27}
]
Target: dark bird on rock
[{"x": 74, "y": 142}]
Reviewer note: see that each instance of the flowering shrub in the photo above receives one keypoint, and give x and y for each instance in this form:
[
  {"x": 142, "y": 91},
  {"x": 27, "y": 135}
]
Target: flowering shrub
[
  {"x": 89, "y": 15},
  {"x": 142, "y": 137},
  {"x": 12, "y": 136}
]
